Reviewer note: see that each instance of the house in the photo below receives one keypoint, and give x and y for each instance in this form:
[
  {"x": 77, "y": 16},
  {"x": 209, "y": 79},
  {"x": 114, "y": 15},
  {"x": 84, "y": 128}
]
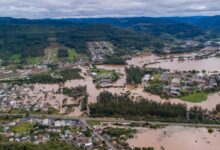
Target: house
[
  {"x": 57, "y": 123},
  {"x": 164, "y": 77},
  {"x": 218, "y": 78},
  {"x": 145, "y": 79},
  {"x": 213, "y": 83},
  {"x": 199, "y": 80},
  {"x": 88, "y": 144},
  {"x": 94, "y": 74},
  {"x": 175, "y": 93},
  {"x": 46, "y": 122},
  {"x": 176, "y": 82}
]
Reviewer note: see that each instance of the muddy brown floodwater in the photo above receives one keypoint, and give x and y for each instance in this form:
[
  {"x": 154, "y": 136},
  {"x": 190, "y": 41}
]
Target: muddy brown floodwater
[
  {"x": 176, "y": 138},
  {"x": 211, "y": 64},
  {"x": 93, "y": 92}
]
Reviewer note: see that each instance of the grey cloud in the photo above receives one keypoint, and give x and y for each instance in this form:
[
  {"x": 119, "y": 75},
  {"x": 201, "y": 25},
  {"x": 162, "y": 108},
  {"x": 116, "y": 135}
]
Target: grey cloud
[{"x": 106, "y": 8}]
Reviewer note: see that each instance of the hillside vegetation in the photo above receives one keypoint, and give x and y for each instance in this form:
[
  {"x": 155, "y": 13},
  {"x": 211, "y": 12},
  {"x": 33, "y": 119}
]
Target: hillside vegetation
[{"x": 30, "y": 37}]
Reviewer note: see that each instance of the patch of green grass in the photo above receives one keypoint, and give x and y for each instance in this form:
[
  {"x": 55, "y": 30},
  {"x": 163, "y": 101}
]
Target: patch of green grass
[
  {"x": 33, "y": 60},
  {"x": 51, "y": 54},
  {"x": 1, "y": 128},
  {"x": 195, "y": 97},
  {"x": 156, "y": 76},
  {"x": 16, "y": 58},
  {"x": 72, "y": 55},
  {"x": 102, "y": 71},
  {"x": 22, "y": 127},
  {"x": 11, "y": 66},
  {"x": 118, "y": 132},
  {"x": 93, "y": 122}
]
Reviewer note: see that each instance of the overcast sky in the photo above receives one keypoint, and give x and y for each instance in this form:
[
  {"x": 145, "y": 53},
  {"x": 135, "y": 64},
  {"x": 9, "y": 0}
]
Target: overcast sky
[{"x": 106, "y": 8}]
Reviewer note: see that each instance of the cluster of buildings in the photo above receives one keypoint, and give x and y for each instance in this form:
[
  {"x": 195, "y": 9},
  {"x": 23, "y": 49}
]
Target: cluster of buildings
[
  {"x": 188, "y": 82},
  {"x": 43, "y": 130},
  {"x": 103, "y": 80},
  {"x": 4, "y": 71},
  {"x": 99, "y": 50},
  {"x": 25, "y": 70},
  {"x": 119, "y": 142},
  {"x": 32, "y": 98},
  {"x": 182, "y": 44},
  {"x": 191, "y": 45},
  {"x": 178, "y": 83}
]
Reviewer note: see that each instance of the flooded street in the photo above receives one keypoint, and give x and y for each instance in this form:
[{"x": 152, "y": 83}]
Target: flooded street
[
  {"x": 176, "y": 138},
  {"x": 120, "y": 85},
  {"x": 93, "y": 92}
]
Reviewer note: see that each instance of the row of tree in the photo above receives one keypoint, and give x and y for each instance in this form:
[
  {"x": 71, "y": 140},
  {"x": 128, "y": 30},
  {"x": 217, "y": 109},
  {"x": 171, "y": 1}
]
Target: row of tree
[
  {"x": 126, "y": 106},
  {"x": 134, "y": 75}
]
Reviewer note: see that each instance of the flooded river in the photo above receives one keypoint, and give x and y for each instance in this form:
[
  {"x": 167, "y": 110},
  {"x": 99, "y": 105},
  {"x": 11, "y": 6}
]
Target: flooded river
[{"x": 177, "y": 138}]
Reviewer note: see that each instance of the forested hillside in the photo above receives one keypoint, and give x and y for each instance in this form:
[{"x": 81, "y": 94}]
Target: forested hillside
[
  {"x": 180, "y": 27},
  {"x": 30, "y": 37}
]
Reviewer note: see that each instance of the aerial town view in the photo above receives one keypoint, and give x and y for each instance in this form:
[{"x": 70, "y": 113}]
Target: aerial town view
[{"x": 109, "y": 75}]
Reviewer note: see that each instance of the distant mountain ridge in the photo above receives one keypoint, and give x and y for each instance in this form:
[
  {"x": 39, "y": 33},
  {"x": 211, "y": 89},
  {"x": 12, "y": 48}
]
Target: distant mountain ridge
[
  {"x": 206, "y": 22},
  {"x": 28, "y": 37}
]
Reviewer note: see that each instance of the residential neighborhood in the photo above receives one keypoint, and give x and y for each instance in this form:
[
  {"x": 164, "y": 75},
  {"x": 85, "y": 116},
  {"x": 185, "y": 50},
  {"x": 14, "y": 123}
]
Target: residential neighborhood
[
  {"x": 181, "y": 83},
  {"x": 39, "y": 130},
  {"x": 99, "y": 50}
]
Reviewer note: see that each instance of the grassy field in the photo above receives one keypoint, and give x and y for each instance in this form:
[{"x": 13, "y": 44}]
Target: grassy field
[
  {"x": 102, "y": 71},
  {"x": 156, "y": 76},
  {"x": 72, "y": 55},
  {"x": 16, "y": 58},
  {"x": 51, "y": 54},
  {"x": 118, "y": 132},
  {"x": 34, "y": 60},
  {"x": 93, "y": 122},
  {"x": 196, "y": 97},
  {"x": 22, "y": 127}
]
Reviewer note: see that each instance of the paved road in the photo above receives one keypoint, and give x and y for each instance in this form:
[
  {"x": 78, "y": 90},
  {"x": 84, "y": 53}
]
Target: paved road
[
  {"x": 117, "y": 120},
  {"x": 84, "y": 121}
]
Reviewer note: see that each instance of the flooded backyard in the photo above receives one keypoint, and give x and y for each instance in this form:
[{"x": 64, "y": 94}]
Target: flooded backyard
[{"x": 176, "y": 138}]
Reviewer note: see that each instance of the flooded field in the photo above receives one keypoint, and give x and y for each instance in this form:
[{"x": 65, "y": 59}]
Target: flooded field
[
  {"x": 176, "y": 138},
  {"x": 93, "y": 92},
  {"x": 119, "y": 69},
  {"x": 210, "y": 64}
]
